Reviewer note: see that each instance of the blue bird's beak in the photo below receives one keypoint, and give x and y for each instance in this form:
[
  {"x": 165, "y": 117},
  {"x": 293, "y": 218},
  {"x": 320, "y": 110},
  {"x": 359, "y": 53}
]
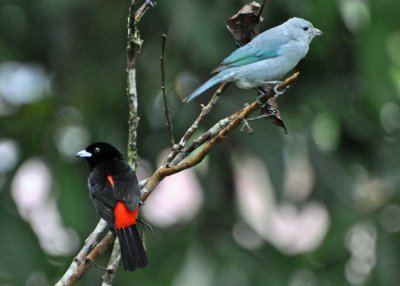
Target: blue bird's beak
[
  {"x": 317, "y": 32},
  {"x": 83, "y": 154}
]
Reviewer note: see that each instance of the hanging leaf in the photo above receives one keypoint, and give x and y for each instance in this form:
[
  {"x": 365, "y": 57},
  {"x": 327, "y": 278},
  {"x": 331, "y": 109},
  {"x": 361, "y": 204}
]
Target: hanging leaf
[{"x": 245, "y": 24}]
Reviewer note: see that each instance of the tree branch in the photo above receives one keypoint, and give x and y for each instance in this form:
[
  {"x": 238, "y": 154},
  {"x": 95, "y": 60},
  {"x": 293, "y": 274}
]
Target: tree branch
[
  {"x": 133, "y": 41},
  {"x": 108, "y": 277},
  {"x": 88, "y": 261}
]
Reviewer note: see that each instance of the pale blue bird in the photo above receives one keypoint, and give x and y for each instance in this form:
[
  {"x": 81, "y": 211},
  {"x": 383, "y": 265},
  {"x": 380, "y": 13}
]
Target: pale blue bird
[{"x": 266, "y": 58}]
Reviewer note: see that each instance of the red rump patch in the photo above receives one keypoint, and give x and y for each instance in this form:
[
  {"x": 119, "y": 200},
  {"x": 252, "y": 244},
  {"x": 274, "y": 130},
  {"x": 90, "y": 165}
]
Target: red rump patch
[
  {"x": 123, "y": 216},
  {"x": 111, "y": 180}
]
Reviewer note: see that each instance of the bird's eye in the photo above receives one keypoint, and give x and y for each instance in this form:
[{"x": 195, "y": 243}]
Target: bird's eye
[
  {"x": 305, "y": 28},
  {"x": 97, "y": 150}
]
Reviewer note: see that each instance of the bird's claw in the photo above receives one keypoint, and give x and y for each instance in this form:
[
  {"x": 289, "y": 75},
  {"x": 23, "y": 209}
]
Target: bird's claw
[
  {"x": 246, "y": 124},
  {"x": 277, "y": 91}
]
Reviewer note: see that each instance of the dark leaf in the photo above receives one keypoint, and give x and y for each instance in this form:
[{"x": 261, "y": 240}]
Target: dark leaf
[
  {"x": 270, "y": 110},
  {"x": 245, "y": 24}
]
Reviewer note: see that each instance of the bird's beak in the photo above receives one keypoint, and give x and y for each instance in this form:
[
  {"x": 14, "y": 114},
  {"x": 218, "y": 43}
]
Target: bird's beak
[
  {"x": 83, "y": 154},
  {"x": 317, "y": 32}
]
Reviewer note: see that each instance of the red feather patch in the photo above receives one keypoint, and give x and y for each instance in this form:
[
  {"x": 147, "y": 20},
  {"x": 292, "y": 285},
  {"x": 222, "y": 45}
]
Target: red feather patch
[
  {"x": 123, "y": 216},
  {"x": 111, "y": 180}
]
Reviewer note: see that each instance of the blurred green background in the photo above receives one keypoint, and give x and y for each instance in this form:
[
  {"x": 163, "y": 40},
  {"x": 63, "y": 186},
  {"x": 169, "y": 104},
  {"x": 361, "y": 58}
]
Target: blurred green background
[{"x": 319, "y": 206}]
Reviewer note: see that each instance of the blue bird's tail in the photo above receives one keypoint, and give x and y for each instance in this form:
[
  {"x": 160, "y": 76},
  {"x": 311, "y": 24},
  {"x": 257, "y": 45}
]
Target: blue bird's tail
[{"x": 218, "y": 78}]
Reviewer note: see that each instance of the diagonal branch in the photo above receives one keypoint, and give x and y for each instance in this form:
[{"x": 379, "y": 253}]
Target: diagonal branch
[
  {"x": 88, "y": 261},
  {"x": 108, "y": 277}
]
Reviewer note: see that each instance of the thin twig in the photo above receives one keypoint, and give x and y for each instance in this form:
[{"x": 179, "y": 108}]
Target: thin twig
[{"x": 166, "y": 109}]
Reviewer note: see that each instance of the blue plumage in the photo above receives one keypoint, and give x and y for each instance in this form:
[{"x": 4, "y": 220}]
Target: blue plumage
[{"x": 268, "y": 57}]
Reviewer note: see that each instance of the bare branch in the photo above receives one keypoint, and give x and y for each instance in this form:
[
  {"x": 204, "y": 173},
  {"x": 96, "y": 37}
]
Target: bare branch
[
  {"x": 133, "y": 41},
  {"x": 89, "y": 244},
  {"x": 166, "y": 109},
  {"x": 88, "y": 261},
  {"x": 108, "y": 277}
]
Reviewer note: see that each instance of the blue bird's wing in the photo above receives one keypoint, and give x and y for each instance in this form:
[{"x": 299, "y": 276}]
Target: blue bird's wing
[{"x": 264, "y": 46}]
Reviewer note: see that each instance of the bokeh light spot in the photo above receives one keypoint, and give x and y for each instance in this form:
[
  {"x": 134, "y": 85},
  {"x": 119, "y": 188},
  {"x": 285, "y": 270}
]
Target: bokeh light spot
[
  {"x": 23, "y": 83},
  {"x": 177, "y": 199},
  {"x": 355, "y": 14},
  {"x": 9, "y": 154},
  {"x": 390, "y": 117},
  {"x": 31, "y": 191},
  {"x": 326, "y": 132},
  {"x": 390, "y": 218}
]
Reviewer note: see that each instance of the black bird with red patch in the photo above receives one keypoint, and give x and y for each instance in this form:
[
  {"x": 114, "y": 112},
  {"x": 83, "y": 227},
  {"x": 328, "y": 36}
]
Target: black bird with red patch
[{"x": 114, "y": 190}]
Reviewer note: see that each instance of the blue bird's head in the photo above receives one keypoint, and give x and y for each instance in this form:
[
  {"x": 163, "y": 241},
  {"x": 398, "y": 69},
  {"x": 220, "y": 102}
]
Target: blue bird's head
[{"x": 301, "y": 29}]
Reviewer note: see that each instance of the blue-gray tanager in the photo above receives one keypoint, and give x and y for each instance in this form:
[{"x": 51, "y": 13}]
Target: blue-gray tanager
[{"x": 266, "y": 58}]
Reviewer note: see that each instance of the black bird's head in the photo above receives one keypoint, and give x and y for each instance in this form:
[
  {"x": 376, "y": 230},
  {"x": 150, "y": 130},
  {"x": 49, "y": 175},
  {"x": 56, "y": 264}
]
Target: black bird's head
[{"x": 99, "y": 152}]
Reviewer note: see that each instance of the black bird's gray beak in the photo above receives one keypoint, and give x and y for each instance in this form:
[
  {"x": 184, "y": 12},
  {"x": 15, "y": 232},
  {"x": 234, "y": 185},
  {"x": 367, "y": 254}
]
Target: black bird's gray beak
[{"x": 83, "y": 154}]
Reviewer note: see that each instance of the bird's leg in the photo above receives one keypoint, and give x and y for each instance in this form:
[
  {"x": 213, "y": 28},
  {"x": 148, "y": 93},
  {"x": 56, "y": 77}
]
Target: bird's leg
[
  {"x": 272, "y": 82},
  {"x": 145, "y": 224},
  {"x": 260, "y": 117}
]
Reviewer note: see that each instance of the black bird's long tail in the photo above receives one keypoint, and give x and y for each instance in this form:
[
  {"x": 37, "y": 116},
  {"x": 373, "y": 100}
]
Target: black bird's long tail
[{"x": 133, "y": 254}]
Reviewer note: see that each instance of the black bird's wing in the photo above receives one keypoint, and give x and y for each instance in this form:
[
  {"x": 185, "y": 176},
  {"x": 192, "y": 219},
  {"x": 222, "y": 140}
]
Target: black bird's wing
[{"x": 110, "y": 182}]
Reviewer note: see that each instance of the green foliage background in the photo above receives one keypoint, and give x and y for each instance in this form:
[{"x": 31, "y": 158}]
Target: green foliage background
[{"x": 344, "y": 108}]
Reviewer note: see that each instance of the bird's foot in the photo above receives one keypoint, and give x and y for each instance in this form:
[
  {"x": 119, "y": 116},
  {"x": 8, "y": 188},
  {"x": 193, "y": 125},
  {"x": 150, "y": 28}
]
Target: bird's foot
[
  {"x": 276, "y": 84},
  {"x": 246, "y": 125},
  {"x": 279, "y": 92}
]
